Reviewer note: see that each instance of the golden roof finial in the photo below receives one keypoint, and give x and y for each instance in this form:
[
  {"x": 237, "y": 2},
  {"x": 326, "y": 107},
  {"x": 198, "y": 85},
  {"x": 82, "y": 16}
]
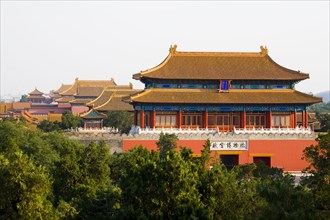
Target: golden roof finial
[
  {"x": 264, "y": 50},
  {"x": 173, "y": 49}
]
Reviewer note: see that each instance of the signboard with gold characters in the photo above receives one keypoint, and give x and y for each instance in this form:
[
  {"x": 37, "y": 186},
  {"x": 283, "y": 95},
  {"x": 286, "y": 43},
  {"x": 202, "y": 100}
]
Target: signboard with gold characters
[{"x": 229, "y": 145}]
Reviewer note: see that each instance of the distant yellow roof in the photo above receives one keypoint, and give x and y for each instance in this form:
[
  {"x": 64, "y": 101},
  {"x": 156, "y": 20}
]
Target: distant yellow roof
[
  {"x": 107, "y": 94},
  {"x": 78, "y": 84},
  {"x": 36, "y": 92},
  {"x": 114, "y": 100}
]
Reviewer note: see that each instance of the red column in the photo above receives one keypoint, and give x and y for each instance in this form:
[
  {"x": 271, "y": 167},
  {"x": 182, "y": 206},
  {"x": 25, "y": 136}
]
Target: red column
[
  {"x": 179, "y": 119},
  {"x": 142, "y": 119},
  {"x": 268, "y": 119},
  {"x": 303, "y": 118},
  {"x": 206, "y": 119},
  {"x": 306, "y": 119},
  {"x": 294, "y": 119},
  {"x": 153, "y": 119},
  {"x": 135, "y": 117},
  {"x": 243, "y": 119}
]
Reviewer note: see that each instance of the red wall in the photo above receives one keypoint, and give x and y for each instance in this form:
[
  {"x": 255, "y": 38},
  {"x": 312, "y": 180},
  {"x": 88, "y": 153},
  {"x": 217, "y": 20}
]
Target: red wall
[{"x": 285, "y": 154}]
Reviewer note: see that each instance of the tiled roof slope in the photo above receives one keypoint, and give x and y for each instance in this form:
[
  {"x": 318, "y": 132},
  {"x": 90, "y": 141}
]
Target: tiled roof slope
[
  {"x": 209, "y": 96},
  {"x": 115, "y": 100},
  {"x": 220, "y": 65},
  {"x": 89, "y": 91},
  {"x": 79, "y": 84},
  {"x": 36, "y": 92},
  {"x": 115, "y": 103},
  {"x": 102, "y": 98}
]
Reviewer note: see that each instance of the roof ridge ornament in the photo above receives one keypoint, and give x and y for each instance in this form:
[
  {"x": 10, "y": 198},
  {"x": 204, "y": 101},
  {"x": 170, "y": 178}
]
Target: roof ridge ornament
[
  {"x": 264, "y": 50},
  {"x": 173, "y": 49}
]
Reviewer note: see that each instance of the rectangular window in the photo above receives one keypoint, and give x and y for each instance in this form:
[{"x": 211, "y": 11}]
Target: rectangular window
[
  {"x": 173, "y": 121},
  {"x": 211, "y": 120},
  {"x": 236, "y": 121},
  {"x": 229, "y": 160},
  {"x": 281, "y": 120},
  {"x": 256, "y": 120},
  {"x": 192, "y": 120},
  {"x": 165, "y": 120},
  {"x": 226, "y": 119}
]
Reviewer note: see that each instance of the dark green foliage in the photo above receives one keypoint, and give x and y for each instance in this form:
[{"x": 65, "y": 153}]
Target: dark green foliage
[
  {"x": 71, "y": 121},
  {"x": 167, "y": 142},
  {"x": 323, "y": 107},
  {"x": 122, "y": 120},
  {"x": 186, "y": 153},
  {"x": 319, "y": 179},
  {"x": 48, "y": 126},
  {"x": 324, "y": 120},
  {"x": 24, "y": 188},
  {"x": 48, "y": 176},
  {"x": 68, "y": 121},
  {"x": 284, "y": 200},
  {"x": 24, "y": 98}
]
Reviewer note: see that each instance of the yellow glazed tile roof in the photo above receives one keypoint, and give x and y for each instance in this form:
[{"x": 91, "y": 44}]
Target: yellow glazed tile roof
[
  {"x": 36, "y": 92},
  {"x": 115, "y": 100},
  {"x": 212, "y": 96},
  {"x": 220, "y": 65}
]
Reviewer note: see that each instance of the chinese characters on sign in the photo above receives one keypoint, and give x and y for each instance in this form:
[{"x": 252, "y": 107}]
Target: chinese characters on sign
[
  {"x": 224, "y": 85},
  {"x": 229, "y": 145}
]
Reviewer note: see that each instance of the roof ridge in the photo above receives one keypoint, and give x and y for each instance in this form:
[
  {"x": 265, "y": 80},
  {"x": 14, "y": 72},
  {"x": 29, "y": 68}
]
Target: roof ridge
[{"x": 226, "y": 54}]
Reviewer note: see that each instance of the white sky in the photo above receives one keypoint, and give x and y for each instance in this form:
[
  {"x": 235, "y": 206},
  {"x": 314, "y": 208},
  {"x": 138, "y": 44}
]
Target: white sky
[{"x": 44, "y": 44}]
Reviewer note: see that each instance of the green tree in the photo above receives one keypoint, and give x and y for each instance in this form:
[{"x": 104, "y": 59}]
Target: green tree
[
  {"x": 167, "y": 142},
  {"x": 24, "y": 188},
  {"x": 123, "y": 120},
  {"x": 70, "y": 121},
  {"x": 319, "y": 169},
  {"x": 24, "y": 98},
  {"x": 284, "y": 200},
  {"x": 226, "y": 196},
  {"x": 206, "y": 154},
  {"x": 324, "y": 120},
  {"x": 48, "y": 126},
  {"x": 154, "y": 188}
]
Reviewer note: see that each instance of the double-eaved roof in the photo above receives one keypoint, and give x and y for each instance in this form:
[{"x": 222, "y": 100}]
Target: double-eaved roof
[{"x": 220, "y": 65}]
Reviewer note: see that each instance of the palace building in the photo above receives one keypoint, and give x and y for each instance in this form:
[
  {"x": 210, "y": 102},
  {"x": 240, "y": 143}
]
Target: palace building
[
  {"x": 220, "y": 90},
  {"x": 246, "y": 101}
]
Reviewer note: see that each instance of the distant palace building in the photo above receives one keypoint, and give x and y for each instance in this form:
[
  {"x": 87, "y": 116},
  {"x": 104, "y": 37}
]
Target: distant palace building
[
  {"x": 238, "y": 93},
  {"x": 36, "y": 96}
]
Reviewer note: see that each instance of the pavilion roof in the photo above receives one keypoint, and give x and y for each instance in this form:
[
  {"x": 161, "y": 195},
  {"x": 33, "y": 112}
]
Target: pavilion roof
[
  {"x": 220, "y": 65},
  {"x": 212, "y": 96},
  {"x": 92, "y": 114},
  {"x": 36, "y": 92}
]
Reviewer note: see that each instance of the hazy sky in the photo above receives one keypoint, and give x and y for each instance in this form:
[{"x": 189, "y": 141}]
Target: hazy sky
[{"x": 44, "y": 44}]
